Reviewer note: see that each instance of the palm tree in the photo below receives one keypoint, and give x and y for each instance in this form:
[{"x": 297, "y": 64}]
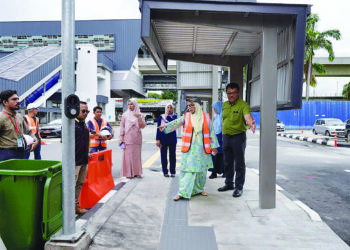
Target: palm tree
[
  {"x": 346, "y": 91},
  {"x": 316, "y": 40}
]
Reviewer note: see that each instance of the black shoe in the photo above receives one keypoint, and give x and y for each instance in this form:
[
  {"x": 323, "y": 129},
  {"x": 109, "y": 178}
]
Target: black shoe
[
  {"x": 172, "y": 175},
  {"x": 166, "y": 175},
  {"x": 237, "y": 192},
  {"x": 225, "y": 188},
  {"x": 213, "y": 176}
]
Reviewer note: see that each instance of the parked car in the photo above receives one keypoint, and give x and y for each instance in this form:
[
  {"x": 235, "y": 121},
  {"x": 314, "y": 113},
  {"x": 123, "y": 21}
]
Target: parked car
[
  {"x": 53, "y": 128},
  {"x": 149, "y": 121},
  {"x": 279, "y": 125},
  {"x": 347, "y": 129},
  {"x": 328, "y": 127}
]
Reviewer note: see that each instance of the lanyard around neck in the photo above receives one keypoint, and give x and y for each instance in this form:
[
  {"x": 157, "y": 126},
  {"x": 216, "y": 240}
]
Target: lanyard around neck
[{"x": 15, "y": 125}]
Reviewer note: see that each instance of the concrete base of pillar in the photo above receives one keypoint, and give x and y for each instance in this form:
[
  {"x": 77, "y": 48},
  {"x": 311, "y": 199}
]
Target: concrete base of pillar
[{"x": 82, "y": 243}]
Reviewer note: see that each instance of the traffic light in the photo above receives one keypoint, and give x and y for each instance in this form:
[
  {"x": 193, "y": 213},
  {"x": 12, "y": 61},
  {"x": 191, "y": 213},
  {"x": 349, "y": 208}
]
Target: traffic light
[{"x": 72, "y": 106}]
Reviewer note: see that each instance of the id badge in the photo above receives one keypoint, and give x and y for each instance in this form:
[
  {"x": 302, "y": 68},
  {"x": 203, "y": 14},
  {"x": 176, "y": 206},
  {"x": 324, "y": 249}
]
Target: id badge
[{"x": 20, "y": 143}]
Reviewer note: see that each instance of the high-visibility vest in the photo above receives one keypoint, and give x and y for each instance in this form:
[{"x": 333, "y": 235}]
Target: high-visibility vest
[
  {"x": 95, "y": 142},
  {"x": 33, "y": 125},
  {"x": 187, "y": 133}
]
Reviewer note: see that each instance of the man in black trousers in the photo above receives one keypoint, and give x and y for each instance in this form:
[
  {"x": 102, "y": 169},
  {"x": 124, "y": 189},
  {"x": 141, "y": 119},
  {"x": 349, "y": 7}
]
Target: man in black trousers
[{"x": 236, "y": 115}]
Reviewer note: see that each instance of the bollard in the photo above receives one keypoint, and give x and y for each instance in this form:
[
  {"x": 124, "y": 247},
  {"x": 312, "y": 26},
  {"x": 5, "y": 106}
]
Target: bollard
[
  {"x": 335, "y": 139},
  {"x": 302, "y": 129}
]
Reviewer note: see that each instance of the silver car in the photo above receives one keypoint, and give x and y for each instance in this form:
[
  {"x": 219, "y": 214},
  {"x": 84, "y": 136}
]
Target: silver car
[{"x": 328, "y": 127}]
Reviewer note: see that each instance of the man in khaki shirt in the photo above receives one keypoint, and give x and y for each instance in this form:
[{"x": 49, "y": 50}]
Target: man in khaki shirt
[{"x": 12, "y": 128}]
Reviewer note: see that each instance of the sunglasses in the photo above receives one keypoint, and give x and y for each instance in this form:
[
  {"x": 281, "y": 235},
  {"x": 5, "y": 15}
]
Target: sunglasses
[
  {"x": 85, "y": 111},
  {"x": 232, "y": 93}
]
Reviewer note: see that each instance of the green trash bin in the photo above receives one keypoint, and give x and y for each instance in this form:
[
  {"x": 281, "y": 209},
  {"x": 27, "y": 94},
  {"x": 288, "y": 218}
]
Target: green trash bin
[{"x": 30, "y": 202}]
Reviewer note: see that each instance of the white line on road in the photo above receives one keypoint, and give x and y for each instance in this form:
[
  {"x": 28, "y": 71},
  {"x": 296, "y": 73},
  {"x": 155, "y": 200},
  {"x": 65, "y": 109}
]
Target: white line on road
[{"x": 347, "y": 170}]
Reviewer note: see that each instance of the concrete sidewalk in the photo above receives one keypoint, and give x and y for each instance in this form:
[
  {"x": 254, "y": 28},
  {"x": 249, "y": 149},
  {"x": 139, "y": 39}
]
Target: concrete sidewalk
[{"x": 142, "y": 215}]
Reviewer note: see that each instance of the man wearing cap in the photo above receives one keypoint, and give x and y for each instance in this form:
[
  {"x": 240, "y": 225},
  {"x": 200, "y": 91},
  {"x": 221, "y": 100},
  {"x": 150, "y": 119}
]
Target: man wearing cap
[
  {"x": 12, "y": 128},
  {"x": 33, "y": 123},
  {"x": 236, "y": 116},
  {"x": 99, "y": 141}
]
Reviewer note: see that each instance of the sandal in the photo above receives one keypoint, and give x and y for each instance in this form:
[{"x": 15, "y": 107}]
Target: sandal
[
  {"x": 204, "y": 193},
  {"x": 177, "y": 197}
]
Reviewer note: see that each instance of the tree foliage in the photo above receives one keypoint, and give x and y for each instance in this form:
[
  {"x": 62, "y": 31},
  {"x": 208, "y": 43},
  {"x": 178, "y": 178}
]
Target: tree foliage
[
  {"x": 170, "y": 94},
  {"x": 346, "y": 91},
  {"x": 317, "y": 40},
  {"x": 154, "y": 96}
]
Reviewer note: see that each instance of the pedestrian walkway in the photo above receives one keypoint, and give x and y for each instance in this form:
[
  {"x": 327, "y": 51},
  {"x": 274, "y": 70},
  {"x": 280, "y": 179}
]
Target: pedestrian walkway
[{"x": 142, "y": 215}]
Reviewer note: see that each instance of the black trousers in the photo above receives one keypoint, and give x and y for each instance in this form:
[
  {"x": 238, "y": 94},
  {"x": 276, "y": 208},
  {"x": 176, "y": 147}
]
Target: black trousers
[
  {"x": 172, "y": 158},
  {"x": 234, "y": 149},
  {"x": 218, "y": 162}
]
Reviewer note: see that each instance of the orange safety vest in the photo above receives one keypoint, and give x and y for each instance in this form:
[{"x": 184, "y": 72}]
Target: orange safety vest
[
  {"x": 95, "y": 142},
  {"x": 187, "y": 133},
  {"x": 34, "y": 126}
]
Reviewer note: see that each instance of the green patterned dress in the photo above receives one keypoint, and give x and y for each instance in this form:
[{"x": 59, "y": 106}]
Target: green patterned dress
[{"x": 195, "y": 162}]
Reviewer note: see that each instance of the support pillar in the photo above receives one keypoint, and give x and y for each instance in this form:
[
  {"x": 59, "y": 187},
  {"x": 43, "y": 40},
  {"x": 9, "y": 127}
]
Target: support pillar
[{"x": 268, "y": 81}]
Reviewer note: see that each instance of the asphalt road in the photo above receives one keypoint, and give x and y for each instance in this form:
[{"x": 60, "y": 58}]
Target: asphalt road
[{"x": 317, "y": 175}]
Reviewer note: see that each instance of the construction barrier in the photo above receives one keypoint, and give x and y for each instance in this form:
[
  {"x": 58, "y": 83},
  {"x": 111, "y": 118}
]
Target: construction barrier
[{"x": 99, "y": 180}]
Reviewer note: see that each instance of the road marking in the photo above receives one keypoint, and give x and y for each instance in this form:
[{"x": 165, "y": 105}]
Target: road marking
[
  {"x": 312, "y": 214},
  {"x": 151, "y": 160},
  {"x": 347, "y": 170}
]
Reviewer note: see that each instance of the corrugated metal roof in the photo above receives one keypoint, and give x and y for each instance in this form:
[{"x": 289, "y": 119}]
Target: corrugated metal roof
[
  {"x": 19, "y": 64},
  {"x": 206, "y": 40}
]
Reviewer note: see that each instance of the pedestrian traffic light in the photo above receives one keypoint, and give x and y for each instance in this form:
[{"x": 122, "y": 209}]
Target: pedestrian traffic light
[{"x": 72, "y": 106}]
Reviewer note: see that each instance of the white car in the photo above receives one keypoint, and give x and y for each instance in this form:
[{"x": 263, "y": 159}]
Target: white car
[
  {"x": 149, "y": 121},
  {"x": 328, "y": 127},
  {"x": 279, "y": 125}
]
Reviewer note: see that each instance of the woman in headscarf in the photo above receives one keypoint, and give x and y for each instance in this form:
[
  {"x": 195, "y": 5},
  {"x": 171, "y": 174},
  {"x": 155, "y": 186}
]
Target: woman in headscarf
[
  {"x": 218, "y": 158},
  {"x": 131, "y": 140},
  {"x": 167, "y": 141},
  {"x": 198, "y": 142}
]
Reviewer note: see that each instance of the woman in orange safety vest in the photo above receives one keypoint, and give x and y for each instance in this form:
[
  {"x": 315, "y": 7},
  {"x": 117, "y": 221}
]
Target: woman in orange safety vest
[{"x": 198, "y": 143}]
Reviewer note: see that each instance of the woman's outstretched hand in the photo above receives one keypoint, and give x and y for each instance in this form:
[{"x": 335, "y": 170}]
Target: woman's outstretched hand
[{"x": 162, "y": 127}]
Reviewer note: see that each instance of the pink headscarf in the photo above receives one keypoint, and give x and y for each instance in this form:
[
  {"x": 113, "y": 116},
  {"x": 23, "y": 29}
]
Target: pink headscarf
[
  {"x": 129, "y": 116},
  {"x": 165, "y": 115}
]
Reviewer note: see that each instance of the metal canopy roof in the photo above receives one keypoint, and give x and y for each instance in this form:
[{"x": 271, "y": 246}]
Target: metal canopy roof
[
  {"x": 192, "y": 39},
  {"x": 229, "y": 33},
  {"x": 217, "y": 28}
]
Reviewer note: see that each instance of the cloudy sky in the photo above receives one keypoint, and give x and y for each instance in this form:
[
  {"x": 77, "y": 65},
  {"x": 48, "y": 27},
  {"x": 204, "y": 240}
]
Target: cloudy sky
[{"x": 333, "y": 14}]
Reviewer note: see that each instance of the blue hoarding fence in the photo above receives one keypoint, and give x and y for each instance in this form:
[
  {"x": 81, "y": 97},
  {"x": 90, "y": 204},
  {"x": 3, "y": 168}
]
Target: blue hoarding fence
[{"x": 310, "y": 112}]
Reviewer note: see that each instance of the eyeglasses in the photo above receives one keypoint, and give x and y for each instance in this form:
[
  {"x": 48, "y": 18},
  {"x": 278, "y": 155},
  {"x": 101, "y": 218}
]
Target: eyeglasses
[
  {"x": 85, "y": 111},
  {"x": 232, "y": 93},
  {"x": 190, "y": 105}
]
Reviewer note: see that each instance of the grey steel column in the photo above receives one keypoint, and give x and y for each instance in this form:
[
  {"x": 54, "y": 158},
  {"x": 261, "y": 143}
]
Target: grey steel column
[
  {"x": 68, "y": 136},
  {"x": 268, "y": 78},
  {"x": 215, "y": 92}
]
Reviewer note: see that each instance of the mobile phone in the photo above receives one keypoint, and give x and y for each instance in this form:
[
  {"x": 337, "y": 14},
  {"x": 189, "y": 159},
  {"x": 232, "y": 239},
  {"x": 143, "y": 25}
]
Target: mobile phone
[{"x": 122, "y": 145}]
